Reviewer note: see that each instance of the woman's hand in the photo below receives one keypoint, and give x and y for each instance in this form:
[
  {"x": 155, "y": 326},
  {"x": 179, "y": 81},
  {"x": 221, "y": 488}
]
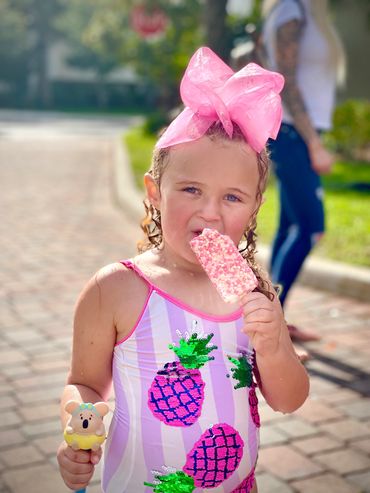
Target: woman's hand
[
  {"x": 322, "y": 160},
  {"x": 77, "y": 466},
  {"x": 263, "y": 322}
]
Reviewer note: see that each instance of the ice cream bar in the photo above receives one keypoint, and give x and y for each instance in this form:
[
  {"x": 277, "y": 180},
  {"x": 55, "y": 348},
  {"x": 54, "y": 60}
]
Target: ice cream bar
[{"x": 224, "y": 265}]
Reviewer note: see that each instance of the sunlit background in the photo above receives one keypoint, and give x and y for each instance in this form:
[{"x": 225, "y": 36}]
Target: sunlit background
[
  {"x": 127, "y": 57},
  {"x": 129, "y": 54}
]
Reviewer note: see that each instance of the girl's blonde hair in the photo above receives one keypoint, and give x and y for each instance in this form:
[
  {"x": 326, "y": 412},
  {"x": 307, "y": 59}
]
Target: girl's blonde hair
[
  {"x": 320, "y": 12},
  {"x": 151, "y": 224}
]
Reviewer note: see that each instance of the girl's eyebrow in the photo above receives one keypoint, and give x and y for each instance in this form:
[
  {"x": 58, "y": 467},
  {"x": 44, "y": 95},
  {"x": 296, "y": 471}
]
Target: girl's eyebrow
[
  {"x": 187, "y": 182},
  {"x": 240, "y": 191}
]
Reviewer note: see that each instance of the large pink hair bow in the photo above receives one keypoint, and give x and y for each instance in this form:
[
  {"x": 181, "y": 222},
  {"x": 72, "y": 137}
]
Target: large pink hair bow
[{"x": 211, "y": 91}]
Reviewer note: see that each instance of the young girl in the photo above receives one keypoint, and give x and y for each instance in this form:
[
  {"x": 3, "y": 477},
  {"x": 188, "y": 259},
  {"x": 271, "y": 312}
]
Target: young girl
[{"x": 184, "y": 363}]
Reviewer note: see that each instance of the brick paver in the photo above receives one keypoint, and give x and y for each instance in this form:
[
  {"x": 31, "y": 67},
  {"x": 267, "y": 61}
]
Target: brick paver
[{"x": 59, "y": 225}]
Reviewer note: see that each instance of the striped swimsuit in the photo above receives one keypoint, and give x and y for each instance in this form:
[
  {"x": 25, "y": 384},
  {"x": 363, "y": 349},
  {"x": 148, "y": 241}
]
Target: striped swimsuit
[{"x": 186, "y": 417}]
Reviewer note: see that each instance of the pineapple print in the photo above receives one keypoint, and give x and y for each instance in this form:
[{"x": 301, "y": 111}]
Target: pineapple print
[
  {"x": 215, "y": 456},
  {"x": 246, "y": 485},
  {"x": 243, "y": 373},
  {"x": 213, "y": 459},
  {"x": 177, "y": 392},
  {"x": 253, "y": 405},
  {"x": 176, "y": 481}
]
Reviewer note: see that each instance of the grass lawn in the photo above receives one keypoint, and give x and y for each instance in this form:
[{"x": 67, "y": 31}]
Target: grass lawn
[{"x": 347, "y": 204}]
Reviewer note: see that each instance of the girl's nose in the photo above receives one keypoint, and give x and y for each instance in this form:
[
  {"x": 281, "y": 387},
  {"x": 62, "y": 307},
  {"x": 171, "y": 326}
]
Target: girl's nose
[{"x": 210, "y": 210}]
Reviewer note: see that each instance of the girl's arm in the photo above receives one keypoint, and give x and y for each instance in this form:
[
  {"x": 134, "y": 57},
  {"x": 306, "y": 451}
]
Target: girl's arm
[
  {"x": 94, "y": 337},
  {"x": 283, "y": 379},
  {"x": 90, "y": 376},
  {"x": 287, "y": 58}
]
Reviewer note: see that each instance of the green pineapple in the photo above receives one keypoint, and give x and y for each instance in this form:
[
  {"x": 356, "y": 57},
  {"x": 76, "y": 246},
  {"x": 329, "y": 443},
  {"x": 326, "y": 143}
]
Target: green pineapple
[
  {"x": 242, "y": 372},
  {"x": 178, "y": 482}
]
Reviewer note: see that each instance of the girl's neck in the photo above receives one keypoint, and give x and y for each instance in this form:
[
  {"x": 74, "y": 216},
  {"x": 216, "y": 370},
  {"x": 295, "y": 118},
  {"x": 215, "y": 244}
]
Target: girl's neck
[
  {"x": 184, "y": 281},
  {"x": 169, "y": 260}
]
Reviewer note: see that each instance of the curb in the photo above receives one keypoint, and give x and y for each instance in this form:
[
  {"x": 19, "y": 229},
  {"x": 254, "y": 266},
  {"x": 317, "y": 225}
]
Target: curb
[
  {"x": 126, "y": 194},
  {"x": 328, "y": 275}
]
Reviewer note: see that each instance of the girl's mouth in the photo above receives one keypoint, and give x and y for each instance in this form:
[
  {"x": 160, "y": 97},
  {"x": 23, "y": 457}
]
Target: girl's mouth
[{"x": 198, "y": 232}]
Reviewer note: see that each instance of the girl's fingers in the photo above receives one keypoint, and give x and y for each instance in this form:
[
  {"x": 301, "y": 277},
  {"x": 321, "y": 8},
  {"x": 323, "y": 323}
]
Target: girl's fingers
[
  {"x": 253, "y": 328},
  {"x": 259, "y": 316},
  {"x": 77, "y": 481},
  {"x": 95, "y": 456},
  {"x": 78, "y": 467},
  {"x": 253, "y": 296},
  {"x": 80, "y": 456},
  {"x": 255, "y": 303}
]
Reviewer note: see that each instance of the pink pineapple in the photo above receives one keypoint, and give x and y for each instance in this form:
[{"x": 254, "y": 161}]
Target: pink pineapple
[
  {"x": 215, "y": 456},
  {"x": 177, "y": 392},
  {"x": 246, "y": 485},
  {"x": 253, "y": 406},
  {"x": 213, "y": 459}
]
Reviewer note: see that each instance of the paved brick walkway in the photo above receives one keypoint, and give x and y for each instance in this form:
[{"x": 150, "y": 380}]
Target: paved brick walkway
[{"x": 59, "y": 224}]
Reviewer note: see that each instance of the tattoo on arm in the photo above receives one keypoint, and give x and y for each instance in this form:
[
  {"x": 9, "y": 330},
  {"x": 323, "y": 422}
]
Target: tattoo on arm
[{"x": 287, "y": 54}]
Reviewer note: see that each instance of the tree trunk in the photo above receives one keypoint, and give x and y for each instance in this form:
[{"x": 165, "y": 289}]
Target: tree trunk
[
  {"x": 42, "y": 14},
  {"x": 217, "y": 35}
]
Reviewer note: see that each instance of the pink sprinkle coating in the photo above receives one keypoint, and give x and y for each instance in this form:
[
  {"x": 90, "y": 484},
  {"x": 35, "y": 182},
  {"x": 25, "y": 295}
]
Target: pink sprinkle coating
[{"x": 224, "y": 265}]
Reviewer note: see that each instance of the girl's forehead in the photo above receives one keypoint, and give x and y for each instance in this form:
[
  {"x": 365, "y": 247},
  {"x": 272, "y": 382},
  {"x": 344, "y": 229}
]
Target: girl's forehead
[
  {"x": 229, "y": 163},
  {"x": 208, "y": 152}
]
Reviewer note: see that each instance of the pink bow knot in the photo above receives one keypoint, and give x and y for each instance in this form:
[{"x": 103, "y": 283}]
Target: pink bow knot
[{"x": 211, "y": 91}]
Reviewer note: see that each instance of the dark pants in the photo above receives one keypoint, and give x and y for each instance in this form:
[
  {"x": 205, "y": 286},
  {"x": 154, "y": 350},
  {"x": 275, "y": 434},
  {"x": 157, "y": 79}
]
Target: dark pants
[{"x": 301, "y": 220}]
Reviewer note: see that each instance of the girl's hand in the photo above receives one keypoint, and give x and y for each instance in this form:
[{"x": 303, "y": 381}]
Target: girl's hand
[
  {"x": 263, "y": 322},
  {"x": 77, "y": 466}
]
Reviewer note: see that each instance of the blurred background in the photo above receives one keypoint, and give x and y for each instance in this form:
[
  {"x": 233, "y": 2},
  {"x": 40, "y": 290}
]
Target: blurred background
[
  {"x": 126, "y": 57},
  {"x": 129, "y": 54}
]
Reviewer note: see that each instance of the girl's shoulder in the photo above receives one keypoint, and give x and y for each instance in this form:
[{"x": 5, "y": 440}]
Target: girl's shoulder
[
  {"x": 115, "y": 278},
  {"x": 121, "y": 292}
]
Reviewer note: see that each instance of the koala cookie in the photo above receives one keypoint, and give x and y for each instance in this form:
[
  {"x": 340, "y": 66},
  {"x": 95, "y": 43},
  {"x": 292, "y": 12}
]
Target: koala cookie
[{"x": 85, "y": 429}]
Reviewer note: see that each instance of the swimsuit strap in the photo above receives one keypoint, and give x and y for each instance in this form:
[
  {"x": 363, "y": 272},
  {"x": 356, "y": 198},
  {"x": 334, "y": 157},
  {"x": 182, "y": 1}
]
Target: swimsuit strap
[{"x": 131, "y": 265}]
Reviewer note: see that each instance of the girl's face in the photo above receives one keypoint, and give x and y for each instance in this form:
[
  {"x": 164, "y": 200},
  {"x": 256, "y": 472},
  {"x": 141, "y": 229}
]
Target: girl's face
[{"x": 206, "y": 184}]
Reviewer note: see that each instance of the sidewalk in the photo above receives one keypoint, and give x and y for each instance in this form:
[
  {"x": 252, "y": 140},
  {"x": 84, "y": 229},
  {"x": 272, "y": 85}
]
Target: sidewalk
[{"x": 61, "y": 224}]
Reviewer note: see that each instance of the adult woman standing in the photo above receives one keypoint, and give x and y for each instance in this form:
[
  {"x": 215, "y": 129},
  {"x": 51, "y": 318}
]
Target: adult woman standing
[{"x": 301, "y": 43}]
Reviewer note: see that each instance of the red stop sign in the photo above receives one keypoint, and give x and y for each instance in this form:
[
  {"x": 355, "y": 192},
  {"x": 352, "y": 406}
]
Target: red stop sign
[{"x": 148, "y": 23}]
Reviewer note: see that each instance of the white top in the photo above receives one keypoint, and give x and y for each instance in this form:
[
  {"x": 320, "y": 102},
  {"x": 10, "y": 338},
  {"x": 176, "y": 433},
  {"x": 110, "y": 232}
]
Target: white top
[{"x": 316, "y": 79}]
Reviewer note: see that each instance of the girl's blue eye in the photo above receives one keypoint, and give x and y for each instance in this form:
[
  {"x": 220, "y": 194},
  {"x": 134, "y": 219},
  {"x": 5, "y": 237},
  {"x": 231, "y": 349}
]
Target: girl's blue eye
[
  {"x": 191, "y": 189},
  {"x": 232, "y": 198}
]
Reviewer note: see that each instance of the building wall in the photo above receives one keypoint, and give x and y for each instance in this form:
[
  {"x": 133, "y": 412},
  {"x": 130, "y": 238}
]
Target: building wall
[{"x": 59, "y": 70}]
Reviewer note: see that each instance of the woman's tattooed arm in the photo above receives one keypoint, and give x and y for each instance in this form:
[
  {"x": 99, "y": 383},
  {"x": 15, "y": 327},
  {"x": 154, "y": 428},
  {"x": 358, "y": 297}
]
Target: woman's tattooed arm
[{"x": 287, "y": 53}]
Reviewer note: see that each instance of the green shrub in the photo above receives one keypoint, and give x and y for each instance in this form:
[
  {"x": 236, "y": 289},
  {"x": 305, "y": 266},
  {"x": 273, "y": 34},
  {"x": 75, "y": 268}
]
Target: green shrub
[
  {"x": 350, "y": 134},
  {"x": 155, "y": 122}
]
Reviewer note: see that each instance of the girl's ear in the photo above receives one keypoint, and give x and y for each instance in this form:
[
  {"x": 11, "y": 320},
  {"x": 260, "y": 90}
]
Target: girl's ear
[{"x": 152, "y": 191}]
